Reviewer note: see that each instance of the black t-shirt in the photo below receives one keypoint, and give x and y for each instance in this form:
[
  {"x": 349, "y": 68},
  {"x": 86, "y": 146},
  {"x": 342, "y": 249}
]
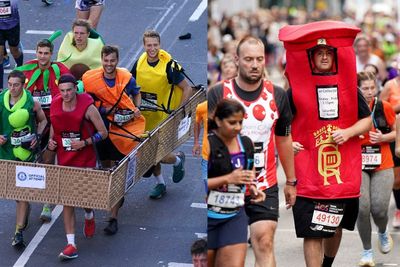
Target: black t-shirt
[
  {"x": 282, "y": 128},
  {"x": 363, "y": 108},
  {"x": 174, "y": 77}
]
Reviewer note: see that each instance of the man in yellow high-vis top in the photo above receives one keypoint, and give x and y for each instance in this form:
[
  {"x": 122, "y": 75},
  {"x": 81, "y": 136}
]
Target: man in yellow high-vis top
[{"x": 163, "y": 88}]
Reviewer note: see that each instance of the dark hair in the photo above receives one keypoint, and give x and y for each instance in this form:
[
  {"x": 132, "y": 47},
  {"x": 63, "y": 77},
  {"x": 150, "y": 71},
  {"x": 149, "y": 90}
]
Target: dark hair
[
  {"x": 67, "y": 78},
  {"x": 151, "y": 34},
  {"x": 248, "y": 39},
  {"x": 199, "y": 247},
  {"x": 45, "y": 43},
  {"x": 17, "y": 74},
  {"x": 225, "y": 108},
  {"x": 109, "y": 49}
]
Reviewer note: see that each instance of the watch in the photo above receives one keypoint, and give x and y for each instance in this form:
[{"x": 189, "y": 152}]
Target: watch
[
  {"x": 292, "y": 183},
  {"x": 86, "y": 142}
]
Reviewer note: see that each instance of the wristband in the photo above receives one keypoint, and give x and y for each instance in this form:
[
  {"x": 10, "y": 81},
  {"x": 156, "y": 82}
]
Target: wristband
[
  {"x": 86, "y": 142},
  {"x": 292, "y": 183},
  {"x": 97, "y": 138}
]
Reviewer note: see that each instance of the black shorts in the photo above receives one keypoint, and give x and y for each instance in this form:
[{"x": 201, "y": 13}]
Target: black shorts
[
  {"x": 108, "y": 151},
  {"x": 303, "y": 211},
  {"x": 11, "y": 36},
  {"x": 224, "y": 232},
  {"x": 396, "y": 160},
  {"x": 264, "y": 211}
]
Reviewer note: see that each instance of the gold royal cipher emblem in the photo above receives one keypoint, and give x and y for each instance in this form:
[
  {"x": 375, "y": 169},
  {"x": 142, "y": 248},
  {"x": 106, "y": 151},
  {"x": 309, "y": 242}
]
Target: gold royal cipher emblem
[{"x": 329, "y": 157}]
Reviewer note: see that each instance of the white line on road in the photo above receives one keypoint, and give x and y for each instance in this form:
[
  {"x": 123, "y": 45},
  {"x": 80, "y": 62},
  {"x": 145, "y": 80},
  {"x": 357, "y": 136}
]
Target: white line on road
[
  {"x": 199, "y": 10},
  {"x": 177, "y": 264},
  {"x": 39, "y": 32},
  {"x": 23, "y": 259},
  {"x": 201, "y": 235},
  {"x": 199, "y": 205}
]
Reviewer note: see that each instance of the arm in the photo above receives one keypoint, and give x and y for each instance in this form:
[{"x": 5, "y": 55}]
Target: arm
[
  {"x": 397, "y": 149},
  {"x": 187, "y": 91},
  {"x": 238, "y": 176},
  {"x": 341, "y": 136},
  {"x": 196, "y": 135},
  {"x": 52, "y": 145},
  {"x": 41, "y": 123},
  {"x": 137, "y": 99},
  {"x": 285, "y": 152}
]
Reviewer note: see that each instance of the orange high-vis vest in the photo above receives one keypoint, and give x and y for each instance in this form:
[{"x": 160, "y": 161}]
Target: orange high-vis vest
[{"x": 106, "y": 96}]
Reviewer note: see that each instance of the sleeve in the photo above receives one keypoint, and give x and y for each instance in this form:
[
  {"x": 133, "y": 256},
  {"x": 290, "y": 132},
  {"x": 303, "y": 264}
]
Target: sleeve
[
  {"x": 133, "y": 70},
  {"x": 131, "y": 88},
  {"x": 390, "y": 115},
  {"x": 284, "y": 121},
  {"x": 214, "y": 95},
  {"x": 363, "y": 108},
  {"x": 62, "y": 51}
]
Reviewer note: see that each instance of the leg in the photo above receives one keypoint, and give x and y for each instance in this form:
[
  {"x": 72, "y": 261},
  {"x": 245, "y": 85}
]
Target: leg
[
  {"x": 69, "y": 219},
  {"x": 262, "y": 239},
  {"x": 211, "y": 257},
  {"x": 94, "y": 15},
  {"x": 22, "y": 213},
  {"x": 81, "y": 14},
  {"x": 363, "y": 220},
  {"x": 231, "y": 255},
  {"x": 112, "y": 227},
  {"x": 89, "y": 227},
  {"x": 160, "y": 189},
  {"x": 331, "y": 245},
  {"x": 17, "y": 55},
  {"x": 313, "y": 251},
  {"x": 70, "y": 251}
]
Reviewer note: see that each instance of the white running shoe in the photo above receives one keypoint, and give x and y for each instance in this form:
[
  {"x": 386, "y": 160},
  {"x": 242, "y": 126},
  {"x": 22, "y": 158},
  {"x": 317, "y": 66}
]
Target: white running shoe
[
  {"x": 367, "y": 258},
  {"x": 385, "y": 242}
]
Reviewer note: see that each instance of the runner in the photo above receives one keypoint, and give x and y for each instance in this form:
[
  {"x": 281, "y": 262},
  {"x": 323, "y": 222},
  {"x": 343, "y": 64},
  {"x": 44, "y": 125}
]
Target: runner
[
  {"x": 201, "y": 118},
  {"x": 230, "y": 172},
  {"x": 76, "y": 126},
  {"x": 117, "y": 98},
  {"x": 90, "y": 10},
  {"x": 22, "y": 123},
  {"x": 163, "y": 86},
  {"x": 267, "y": 122},
  {"x": 377, "y": 174}
]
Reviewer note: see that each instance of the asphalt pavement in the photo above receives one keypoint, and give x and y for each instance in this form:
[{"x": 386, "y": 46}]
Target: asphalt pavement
[{"x": 151, "y": 232}]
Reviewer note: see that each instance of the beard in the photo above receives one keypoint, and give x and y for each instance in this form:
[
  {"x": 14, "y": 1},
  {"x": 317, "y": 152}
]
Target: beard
[{"x": 250, "y": 79}]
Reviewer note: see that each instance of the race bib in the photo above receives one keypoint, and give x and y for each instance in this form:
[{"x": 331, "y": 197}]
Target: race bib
[
  {"x": 44, "y": 98},
  {"x": 225, "y": 199},
  {"x": 123, "y": 116},
  {"x": 259, "y": 156},
  {"x": 67, "y": 138},
  {"x": 371, "y": 157},
  {"x": 5, "y": 9},
  {"x": 149, "y": 101},
  {"x": 326, "y": 217},
  {"x": 17, "y": 137}
]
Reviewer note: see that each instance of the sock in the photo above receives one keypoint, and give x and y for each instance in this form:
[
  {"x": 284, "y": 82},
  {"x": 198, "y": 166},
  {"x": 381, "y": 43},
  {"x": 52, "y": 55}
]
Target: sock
[
  {"x": 18, "y": 228},
  {"x": 160, "y": 179},
  {"x": 88, "y": 215},
  {"x": 178, "y": 160},
  {"x": 396, "y": 194},
  {"x": 20, "y": 59},
  {"x": 327, "y": 261},
  {"x": 71, "y": 239}
]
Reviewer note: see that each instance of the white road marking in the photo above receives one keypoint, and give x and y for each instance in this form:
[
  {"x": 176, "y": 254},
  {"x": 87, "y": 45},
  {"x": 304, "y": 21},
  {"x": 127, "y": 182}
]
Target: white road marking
[
  {"x": 199, "y": 10},
  {"x": 39, "y": 32},
  {"x": 23, "y": 259},
  {"x": 199, "y": 205},
  {"x": 201, "y": 235},
  {"x": 177, "y": 264}
]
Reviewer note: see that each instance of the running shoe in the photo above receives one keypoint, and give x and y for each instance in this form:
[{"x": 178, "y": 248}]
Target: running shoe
[
  {"x": 179, "y": 171},
  {"x": 367, "y": 258},
  {"x": 26, "y": 222},
  {"x": 89, "y": 228},
  {"x": 158, "y": 191},
  {"x": 48, "y": 2},
  {"x": 385, "y": 242},
  {"x": 396, "y": 219},
  {"x": 45, "y": 216},
  {"x": 70, "y": 252},
  {"x": 18, "y": 240},
  {"x": 112, "y": 227},
  {"x": 6, "y": 62}
]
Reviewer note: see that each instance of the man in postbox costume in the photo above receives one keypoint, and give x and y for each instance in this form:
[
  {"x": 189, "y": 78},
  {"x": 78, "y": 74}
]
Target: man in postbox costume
[{"x": 329, "y": 116}]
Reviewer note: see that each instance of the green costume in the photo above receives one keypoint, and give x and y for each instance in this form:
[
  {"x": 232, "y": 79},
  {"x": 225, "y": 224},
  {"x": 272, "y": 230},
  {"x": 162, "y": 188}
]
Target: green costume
[{"x": 17, "y": 124}]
